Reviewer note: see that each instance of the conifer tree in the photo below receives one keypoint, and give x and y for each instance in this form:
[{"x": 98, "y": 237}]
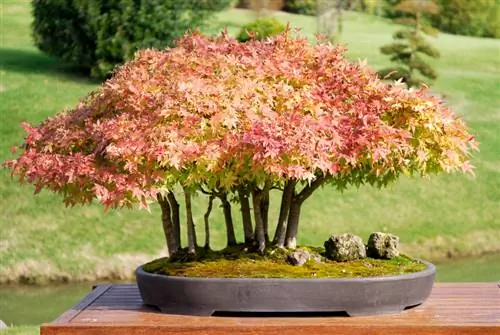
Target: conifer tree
[{"x": 410, "y": 43}]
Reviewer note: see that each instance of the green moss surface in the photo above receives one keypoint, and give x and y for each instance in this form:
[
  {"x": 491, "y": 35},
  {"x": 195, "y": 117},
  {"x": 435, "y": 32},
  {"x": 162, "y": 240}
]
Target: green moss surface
[{"x": 238, "y": 263}]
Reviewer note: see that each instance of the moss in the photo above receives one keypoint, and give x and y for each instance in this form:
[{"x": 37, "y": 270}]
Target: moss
[{"x": 238, "y": 262}]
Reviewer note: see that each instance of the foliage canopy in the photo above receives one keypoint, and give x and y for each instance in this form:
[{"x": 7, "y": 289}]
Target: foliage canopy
[
  {"x": 234, "y": 120},
  {"x": 479, "y": 18}
]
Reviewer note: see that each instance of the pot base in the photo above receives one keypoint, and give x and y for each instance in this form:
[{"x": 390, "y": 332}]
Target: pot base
[{"x": 230, "y": 296}]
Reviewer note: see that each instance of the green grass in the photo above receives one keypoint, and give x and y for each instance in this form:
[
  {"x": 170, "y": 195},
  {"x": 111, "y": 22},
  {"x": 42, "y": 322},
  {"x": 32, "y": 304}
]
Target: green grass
[
  {"x": 41, "y": 240},
  {"x": 21, "y": 330}
]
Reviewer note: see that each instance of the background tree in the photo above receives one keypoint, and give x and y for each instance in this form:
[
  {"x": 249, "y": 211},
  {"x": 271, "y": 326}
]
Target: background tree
[
  {"x": 234, "y": 121},
  {"x": 329, "y": 16},
  {"x": 304, "y": 7},
  {"x": 97, "y": 35},
  {"x": 411, "y": 43},
  {"x": 261, "y": 6},
  {"x": 463, "y": 17},
  {"x": 260, "y": 28}
]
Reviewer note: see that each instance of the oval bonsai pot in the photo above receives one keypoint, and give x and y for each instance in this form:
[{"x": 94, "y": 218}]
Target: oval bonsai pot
[{"x": 354, "y": 296}]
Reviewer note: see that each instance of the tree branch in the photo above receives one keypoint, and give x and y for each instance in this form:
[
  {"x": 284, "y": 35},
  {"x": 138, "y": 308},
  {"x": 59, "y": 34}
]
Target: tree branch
[{"x": 308, "y": 190}]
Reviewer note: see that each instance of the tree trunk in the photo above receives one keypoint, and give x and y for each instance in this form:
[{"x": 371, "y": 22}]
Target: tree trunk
[
  {"x": 246, "y": 215},
  {"x": 340, "y": 19},
  {"x": 168, "y": 230},
  {"x": 413, "y": 44},
  {"x": 264, "y": 209},
  {"x": 286, "y": 200},
  {"x": 260, "y": 236},
  {"x": 228, "y": 219},
  {"x": 191, "y": 232},
  {"x": 293, "y": 224},
  {"x": 207, "y": 226},
  {"x": 176, "y": 221},
  {"x": 294, "y": 213}
]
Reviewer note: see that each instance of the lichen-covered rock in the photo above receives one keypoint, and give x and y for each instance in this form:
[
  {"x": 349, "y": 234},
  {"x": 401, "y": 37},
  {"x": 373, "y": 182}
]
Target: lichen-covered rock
[
  {"x": 345, "y": 247},
  {"x": 382, "y": 245},
  {"x": 299, "y": 257}
]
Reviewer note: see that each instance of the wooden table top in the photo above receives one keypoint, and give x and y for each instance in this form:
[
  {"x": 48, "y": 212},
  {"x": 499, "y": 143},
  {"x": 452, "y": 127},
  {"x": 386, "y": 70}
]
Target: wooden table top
[{"x": 451, "y": 309}]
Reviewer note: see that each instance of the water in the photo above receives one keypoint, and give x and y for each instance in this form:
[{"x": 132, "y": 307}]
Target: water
[
  {"x": 480, "y": 269},
  {"x": 32, "y": 305},
  {"x": 29, "y": 305}
]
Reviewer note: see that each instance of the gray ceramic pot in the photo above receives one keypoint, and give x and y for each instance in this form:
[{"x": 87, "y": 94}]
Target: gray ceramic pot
[{"x": 223, "y": 296}]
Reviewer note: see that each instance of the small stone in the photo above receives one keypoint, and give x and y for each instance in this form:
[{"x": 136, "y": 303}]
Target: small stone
[
  {"x": 298, "y": 257},
  {"x": 383, "y": 246},
  {"x": 316, "y": 258},
  {"x": 346, "y": 247}
]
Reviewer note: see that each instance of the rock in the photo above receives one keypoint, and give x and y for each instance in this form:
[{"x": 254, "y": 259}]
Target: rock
[
  {"x": 382, "y": 245},
  {"x": 3, "y": 325},
  {"x": 316, "y": 258},
  {"x": 346, "y": 247},
  {"x": 298, "y": 257}
]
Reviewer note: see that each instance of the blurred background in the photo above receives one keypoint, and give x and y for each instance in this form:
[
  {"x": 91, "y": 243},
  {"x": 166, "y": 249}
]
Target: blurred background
[{"x": 52, "y": 53}]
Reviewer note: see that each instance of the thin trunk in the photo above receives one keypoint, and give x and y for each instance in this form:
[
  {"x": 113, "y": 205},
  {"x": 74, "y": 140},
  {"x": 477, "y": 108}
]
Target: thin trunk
[
  {"x": 176, "y": 221},
  {"x": 228, "y": 219},
  {"x": 294, "y": 213},
  {"x": 264, "y": 209},
  {"x": 286, "y": 200},
  {"x": 260, "y": 237},
  {"x": 293, "y": 224},
  {"x": 413, "y": 45},
  {"x": 207, "y": 226},
  {"x": 246, "y": 215},
  {"x": 339, "y": 19},
  {"x": 191, "y": 232},
  {"x": 168, "y": 230}
]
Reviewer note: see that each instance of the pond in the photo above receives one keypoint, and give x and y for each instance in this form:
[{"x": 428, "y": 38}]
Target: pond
[{"x": 31, "y": 305}]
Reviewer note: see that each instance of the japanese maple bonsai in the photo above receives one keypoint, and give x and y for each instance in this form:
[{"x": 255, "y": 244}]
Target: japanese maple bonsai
[{"x": 234, "y": 121}]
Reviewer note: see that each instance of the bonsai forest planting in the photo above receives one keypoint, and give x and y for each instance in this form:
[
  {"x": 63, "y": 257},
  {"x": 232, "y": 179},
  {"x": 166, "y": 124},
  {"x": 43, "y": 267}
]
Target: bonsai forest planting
[{"x": 234, "y": 122}]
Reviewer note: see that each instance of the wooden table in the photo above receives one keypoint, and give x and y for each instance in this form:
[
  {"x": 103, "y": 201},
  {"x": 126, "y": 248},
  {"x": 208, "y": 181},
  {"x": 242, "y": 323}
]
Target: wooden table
[{"x": 117, "y": 309}]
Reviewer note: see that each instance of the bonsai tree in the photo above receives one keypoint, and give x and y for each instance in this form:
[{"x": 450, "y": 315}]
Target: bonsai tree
[
  {"x": 233, "y": 121},
  {"x": 411, "y": 43}
]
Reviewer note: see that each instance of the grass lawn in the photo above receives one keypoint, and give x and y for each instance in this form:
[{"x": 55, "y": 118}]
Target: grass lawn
[
  {"x": 455, "y": 215},
  {"x": 22, "y": 330}
]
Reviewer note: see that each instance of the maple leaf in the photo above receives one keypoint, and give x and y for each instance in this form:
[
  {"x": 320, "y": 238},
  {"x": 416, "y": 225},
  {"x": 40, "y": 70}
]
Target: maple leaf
[{"x": 214, "y": 110}]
